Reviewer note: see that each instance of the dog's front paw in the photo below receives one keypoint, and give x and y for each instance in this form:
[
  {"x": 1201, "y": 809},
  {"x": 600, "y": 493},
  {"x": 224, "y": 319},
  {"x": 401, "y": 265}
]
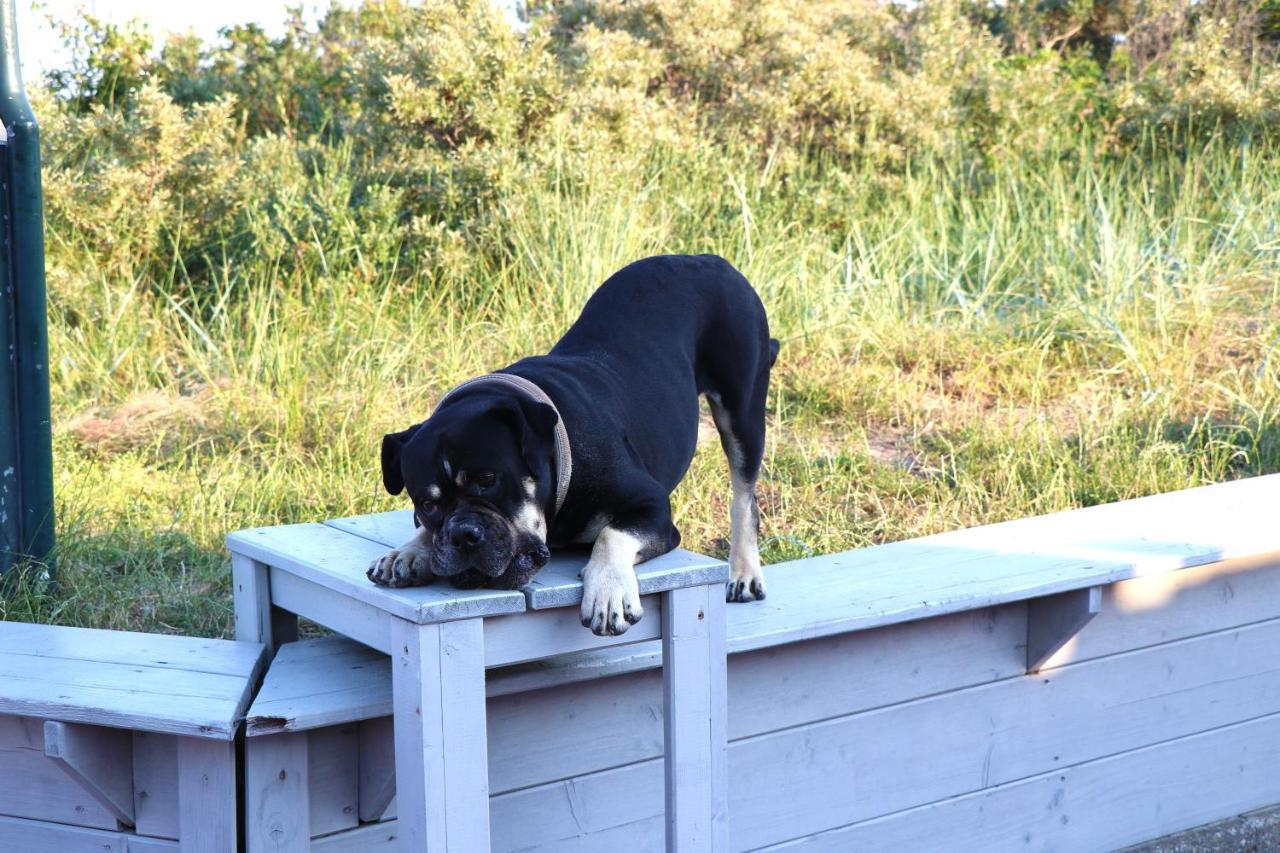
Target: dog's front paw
[
  {"x": 402, "y": 567},
  {"x": 746, "y": 583},
  {"x": 610, "y": 600}
]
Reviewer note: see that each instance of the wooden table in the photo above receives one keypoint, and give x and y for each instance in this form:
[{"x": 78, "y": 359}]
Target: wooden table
[{"x": 441, "y": 640}]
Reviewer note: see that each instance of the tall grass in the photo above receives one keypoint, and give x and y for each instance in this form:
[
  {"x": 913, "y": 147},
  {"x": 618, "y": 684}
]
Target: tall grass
[{"x": 958, "y": 348}]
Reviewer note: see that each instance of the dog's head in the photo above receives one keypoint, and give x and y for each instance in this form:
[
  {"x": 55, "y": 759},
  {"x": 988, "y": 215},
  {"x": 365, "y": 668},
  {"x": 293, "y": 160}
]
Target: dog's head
[{"x": 479, "y": 472}]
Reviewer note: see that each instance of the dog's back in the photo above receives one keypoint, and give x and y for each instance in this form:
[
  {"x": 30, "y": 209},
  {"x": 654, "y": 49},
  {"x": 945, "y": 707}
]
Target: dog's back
[{"x": 664, "y": 330}]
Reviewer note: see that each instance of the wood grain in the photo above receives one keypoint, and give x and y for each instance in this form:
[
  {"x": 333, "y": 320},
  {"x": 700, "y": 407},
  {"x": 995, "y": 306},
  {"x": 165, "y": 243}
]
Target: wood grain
[
  {"x": 337, "y": 560},
  {"x": 145, "y": 682}
]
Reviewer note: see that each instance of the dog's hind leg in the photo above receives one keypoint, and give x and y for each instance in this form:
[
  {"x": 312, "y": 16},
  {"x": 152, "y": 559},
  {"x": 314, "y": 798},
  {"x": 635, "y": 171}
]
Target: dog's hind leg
[{"x": 739, "y": 418}]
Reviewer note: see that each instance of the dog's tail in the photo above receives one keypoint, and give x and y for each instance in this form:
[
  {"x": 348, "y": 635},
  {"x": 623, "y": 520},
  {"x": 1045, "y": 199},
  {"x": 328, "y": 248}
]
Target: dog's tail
[{"x": 774, "y": 346}]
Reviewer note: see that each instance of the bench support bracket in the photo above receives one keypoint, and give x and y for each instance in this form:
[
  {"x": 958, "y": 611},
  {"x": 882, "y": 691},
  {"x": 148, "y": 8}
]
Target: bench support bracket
[
  {"x": 1053, "y": 620},
  {"x": 100, "y": 760}
]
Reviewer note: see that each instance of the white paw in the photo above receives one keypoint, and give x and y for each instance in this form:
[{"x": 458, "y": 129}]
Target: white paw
[
  {"x": 746, "y": 581},
  {"x": 407, "y": 566},
  {"x": 610, "y": 599}
]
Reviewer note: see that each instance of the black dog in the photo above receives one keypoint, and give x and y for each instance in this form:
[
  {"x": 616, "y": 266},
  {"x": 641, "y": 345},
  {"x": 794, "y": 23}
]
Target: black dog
[{"x": 586, "y": 443}]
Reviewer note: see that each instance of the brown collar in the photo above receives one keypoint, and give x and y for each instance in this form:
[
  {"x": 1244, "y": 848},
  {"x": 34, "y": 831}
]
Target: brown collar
[{"x": 564, "y": 457}]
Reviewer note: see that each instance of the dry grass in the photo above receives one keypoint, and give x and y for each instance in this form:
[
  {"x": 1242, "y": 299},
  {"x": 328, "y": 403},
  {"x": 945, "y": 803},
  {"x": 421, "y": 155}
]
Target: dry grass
[{"x": 943, "y": 365}]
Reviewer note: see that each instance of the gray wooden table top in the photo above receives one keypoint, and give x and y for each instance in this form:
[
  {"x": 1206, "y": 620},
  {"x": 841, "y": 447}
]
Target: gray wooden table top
[
  {"x": 147, "y": 682},
  {"x": 336, "y": 554},
  {"x": 558, "y": 584},
  {"x": 336, "y": 559}
]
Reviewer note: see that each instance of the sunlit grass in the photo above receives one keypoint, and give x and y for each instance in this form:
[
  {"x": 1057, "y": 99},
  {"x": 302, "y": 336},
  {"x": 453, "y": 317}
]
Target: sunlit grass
[{"x": 957, "y": 349}]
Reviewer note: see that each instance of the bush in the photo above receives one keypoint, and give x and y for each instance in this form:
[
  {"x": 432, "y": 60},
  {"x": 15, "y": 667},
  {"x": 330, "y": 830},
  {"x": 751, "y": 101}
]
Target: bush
[{"x": 407, "y": 132}]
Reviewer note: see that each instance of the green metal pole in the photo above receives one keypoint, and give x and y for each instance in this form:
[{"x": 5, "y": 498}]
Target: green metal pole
[{"x": 26, "y": 463}]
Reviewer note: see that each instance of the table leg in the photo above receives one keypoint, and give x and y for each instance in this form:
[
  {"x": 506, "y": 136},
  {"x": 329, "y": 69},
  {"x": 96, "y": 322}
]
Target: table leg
[
  {"x": 694, "y": 693},
  {"x": 442, "y": 764},
  {"x": 257, "y": 620}
]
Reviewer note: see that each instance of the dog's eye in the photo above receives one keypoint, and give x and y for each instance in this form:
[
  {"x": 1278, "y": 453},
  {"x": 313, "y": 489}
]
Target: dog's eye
[{"x": 427, "y": 509}]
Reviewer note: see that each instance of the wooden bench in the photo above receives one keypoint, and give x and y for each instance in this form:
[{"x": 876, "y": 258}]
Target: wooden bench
[
  {"x": 120, "y": 742},
  {"x": 441, "y": 641},
  {"x": 1078, "y": 681}
]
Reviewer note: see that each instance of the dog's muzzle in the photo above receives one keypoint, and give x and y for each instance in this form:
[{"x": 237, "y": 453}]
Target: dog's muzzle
[{"x": 474, "y": 540}]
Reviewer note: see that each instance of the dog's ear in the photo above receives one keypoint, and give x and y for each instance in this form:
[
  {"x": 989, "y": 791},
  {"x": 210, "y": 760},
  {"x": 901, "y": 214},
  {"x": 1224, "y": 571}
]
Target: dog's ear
[
  {"x": 540, "y": 431},
  {"x": 541, "y": 418},
  {"x": 535, "y": 423},
  {"x": 391, "y": 444}
]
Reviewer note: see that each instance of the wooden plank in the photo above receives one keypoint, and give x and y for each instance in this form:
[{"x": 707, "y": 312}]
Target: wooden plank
[
  {"x": 955, "y": 743},
  {"x": 99, "y": 760},
  {"x": 373, "y": 838},
  {"x": 19, "y": 835},
  {"x": 277, "y": 805},
  {"x": 125, "y": 680},
  {"x": 46, "y": 793},
  {"x": 377, "y": 768},
  {"x": 139, "y": 844},
  {"x": 546, "y": 633},
  {"x": 392, "y": 529},
  {"x": 256, "y": 619},
  {"x": 1100, "y": 805},
  {"x": 1013, "y": 561},
  {"x": 558, "y": 584},
  {"x": 334, "y": 778},
  {"x": 1159, "y": 609},
  {"x": 337, "y": 560},
  {"x": 67, "y": 677},
  {"x": 155, "y": 784},
  {"x": 332, "y": 609},
  {"x": 251, "y": 595},
  {"x": 206, "y": 796},
  {"x": 572, "y": 668},
  {"x": 1053, "y": 621},
  {"x": 580, "y": 728},
  {"x": 121, "y": 708},
  {"x": 321, "y": 682},
  {"x": 693, "y": 648},
  {"x": 58, "y": 644},
  {"x": 832, "y": 595},
  {"x": 856, "y": 767},
  {"x": 442, "y": 779}
]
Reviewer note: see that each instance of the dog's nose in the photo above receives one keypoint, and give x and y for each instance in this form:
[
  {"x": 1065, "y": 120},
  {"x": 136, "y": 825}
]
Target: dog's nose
[{"x": 465, "y": 533}]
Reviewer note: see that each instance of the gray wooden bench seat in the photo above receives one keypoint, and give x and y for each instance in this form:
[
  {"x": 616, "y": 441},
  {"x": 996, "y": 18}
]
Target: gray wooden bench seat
[
  {"x": 883, "y": 698},
  {"x": 118, "y": 741}
]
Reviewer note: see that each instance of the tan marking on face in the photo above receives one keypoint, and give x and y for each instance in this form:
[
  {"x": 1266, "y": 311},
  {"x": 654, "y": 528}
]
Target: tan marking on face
[
  {"x": 530, "y": 519},
  {"x": 433, "y": 492},
  {"x": 530, "y": 487}
]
